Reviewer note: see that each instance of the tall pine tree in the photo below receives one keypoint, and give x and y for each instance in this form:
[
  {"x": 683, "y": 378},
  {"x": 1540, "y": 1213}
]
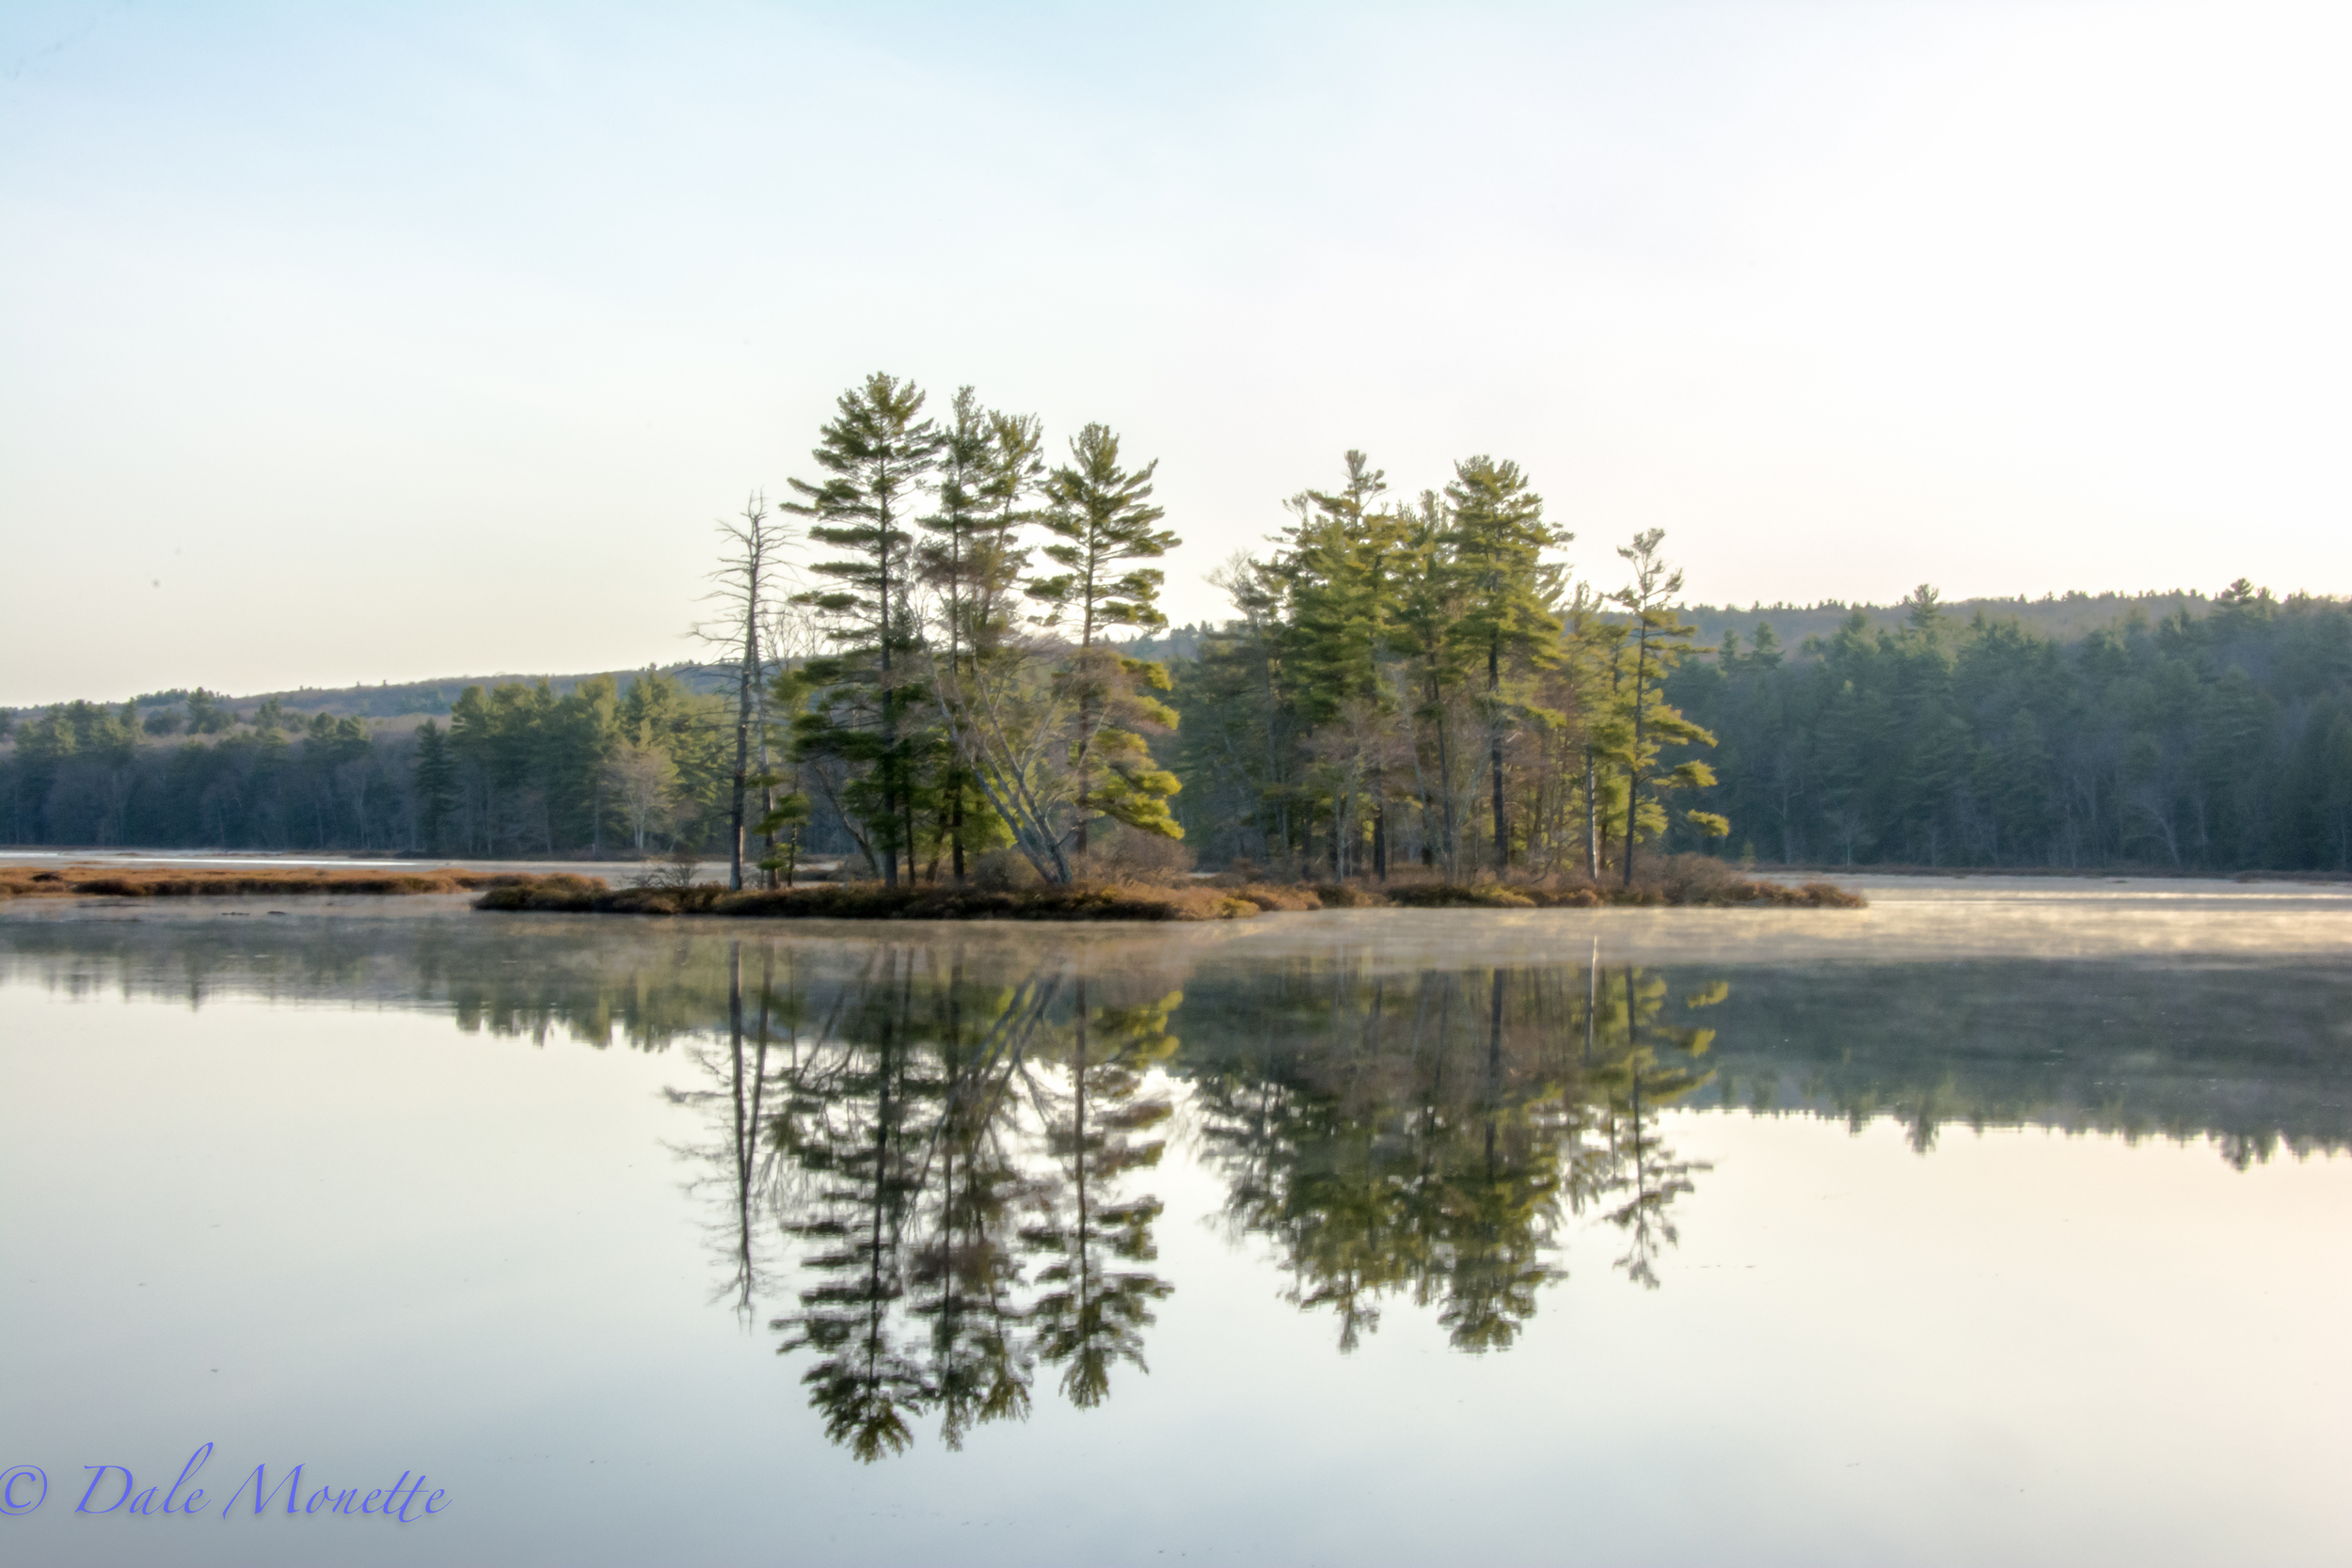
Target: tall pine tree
[
  {"x": 1655, "y": 640},
  {"x": 1101, "y": 516},
  {"x": 876, "y": 452},
  {"x": 1508, "y": 589}
]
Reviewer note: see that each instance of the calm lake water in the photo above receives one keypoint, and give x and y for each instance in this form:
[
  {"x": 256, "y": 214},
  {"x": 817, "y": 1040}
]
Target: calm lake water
[{"x": 1999, "y": 1222}]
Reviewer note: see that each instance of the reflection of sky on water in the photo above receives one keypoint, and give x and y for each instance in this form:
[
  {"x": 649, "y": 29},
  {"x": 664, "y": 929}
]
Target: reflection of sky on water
[{"x": 1115, "y": 1263}]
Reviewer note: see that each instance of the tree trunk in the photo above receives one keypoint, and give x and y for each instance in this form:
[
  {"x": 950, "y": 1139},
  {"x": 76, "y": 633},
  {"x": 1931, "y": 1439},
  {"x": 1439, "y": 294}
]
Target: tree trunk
[
  {"x": 1085, "y": 724},
  {"x": 735, "y": 820},
  {"x": 1086, "y": 705},
  {"x": 767, "y": 787},
  {"x": 1445, "y": 779},
  {"x": 1592, "y": 818},
  {"x": 890, "y": 763},
  {"x": 745, "y": 678},
  {"x": 955, "y": 820},
  {"x": 1494, "y": 1045},
  {"x": 906, "y": 822},
  {"x": 1494, "y": 752},
  {"x": 1633, "y": 763}
]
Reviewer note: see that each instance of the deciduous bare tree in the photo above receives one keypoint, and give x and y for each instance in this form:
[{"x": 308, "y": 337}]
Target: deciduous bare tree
[{"x": 743, "y": 584}]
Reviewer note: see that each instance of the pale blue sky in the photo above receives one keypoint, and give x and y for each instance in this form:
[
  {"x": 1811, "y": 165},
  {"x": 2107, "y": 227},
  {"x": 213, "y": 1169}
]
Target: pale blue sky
[{"x": 403, "y": 340}]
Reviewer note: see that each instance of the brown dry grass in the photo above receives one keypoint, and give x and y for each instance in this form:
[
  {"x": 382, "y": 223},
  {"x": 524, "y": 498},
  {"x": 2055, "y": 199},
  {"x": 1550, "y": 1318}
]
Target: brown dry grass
[
  {"x": 872, "y": 901},
  {"x": 106, "y": 882},
  {"x": 1688, "y": 880},
  {"x": 1683, "y": 881},
  {"x": 1273, "y": 896}
]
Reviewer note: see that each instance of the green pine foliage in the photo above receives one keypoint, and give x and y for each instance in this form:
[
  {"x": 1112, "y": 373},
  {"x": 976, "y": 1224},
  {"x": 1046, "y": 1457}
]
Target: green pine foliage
[
  {"x": 1498, "y": 544},
  {"x": 970, "y": 696},
  {"x": 862, "y": 719},
  {"x": 1422, "y": 682},
  {"x": 1652, "y": 643},
  {"x": 971, "y": 558},
  {"x": 1100, "y": 516}
]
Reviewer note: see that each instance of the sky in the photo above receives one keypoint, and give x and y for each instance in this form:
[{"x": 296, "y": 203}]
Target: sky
[{"x": 358, "y": 342}]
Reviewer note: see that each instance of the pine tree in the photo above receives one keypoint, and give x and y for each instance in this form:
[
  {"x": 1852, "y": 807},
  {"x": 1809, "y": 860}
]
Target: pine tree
[
  {"x": 1337, "y": 572},
  {"x": 1339, "y": 578},
  {"x": 1012, "y": 477},
  {"x": 436, "y": 784},
  {"x": 971, "y": 563},
  {"x": 877, "y": 451},
  {"x": 1591, "y": 646},
  {"x": 1656, "y": 640},
  {"x": 1101, "y": 516},
  {"x": 1429, "y": 605},
  {"x": 656, "y": 711},
  {"x": 1498, "y": 538},
  {"x": 582, "y": 731}
]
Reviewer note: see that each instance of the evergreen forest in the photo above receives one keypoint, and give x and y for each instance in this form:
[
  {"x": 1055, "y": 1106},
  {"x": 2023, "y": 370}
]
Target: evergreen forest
[{"x": 943, "y": 656}]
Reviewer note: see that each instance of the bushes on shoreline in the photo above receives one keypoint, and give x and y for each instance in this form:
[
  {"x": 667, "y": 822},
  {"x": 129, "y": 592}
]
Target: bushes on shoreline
[
  {"x": 873, "y": 901},
  {"x": 1687, "y": 880},
  {"x": 1682, "y": 881}
]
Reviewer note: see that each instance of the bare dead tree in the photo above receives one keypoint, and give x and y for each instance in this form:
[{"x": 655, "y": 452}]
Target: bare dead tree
[{"x": 743, "y": 586}]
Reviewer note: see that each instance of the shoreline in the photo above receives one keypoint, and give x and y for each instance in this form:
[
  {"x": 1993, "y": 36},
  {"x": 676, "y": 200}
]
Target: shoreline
[
  {"x": 19, "y": 881},
  {"x": 1188, "y": 902},
  {"x": 570, "y": 893},
  {"x": 117, "y": 859}
]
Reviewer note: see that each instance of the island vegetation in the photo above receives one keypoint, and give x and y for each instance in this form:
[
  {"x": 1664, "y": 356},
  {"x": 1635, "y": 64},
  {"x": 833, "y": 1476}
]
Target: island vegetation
[
  {"x": 1684, "y": 880},
  {"x": 942, "y": 662}
]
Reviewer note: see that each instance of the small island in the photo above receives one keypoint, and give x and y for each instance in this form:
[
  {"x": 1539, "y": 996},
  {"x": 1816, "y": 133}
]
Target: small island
[{"x": 1686, "y": 881}]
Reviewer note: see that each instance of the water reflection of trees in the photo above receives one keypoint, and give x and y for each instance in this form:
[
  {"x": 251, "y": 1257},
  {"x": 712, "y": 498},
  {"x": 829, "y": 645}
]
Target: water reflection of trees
[
  {"x": 930, "y": 1160},
  {"x": 954, "y": 1158},
  {"x": 2244, "y": 1055},
  {"x": 1426, "y": 1136}
]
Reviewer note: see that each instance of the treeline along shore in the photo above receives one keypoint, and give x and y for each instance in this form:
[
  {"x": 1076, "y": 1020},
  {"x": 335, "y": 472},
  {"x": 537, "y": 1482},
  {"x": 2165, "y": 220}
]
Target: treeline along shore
[{"x": 942, "y": 662}]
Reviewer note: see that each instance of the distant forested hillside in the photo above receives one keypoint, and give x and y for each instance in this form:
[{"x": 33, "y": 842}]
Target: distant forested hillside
[
  {"x": 2061, "y": 617},
  {"x": 521, "y": 769},
  {"x": 2212, "y": 742},
  {"x": 2065, "y": 617},
  {"x": 384, "y": 700}
]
